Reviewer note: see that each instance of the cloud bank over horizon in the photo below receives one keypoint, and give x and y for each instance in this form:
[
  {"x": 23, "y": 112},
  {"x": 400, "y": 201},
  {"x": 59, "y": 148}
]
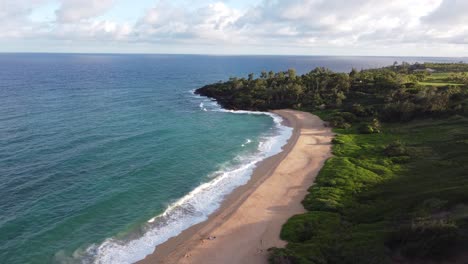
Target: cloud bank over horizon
[{"x": 309, "y": 27}]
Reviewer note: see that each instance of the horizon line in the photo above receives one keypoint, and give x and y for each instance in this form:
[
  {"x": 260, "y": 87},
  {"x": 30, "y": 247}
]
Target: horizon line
[{"x": 226, "y": 55}]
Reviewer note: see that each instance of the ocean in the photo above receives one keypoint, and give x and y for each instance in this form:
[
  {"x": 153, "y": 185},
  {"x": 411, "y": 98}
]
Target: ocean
[{"x": 105, "y": 156}]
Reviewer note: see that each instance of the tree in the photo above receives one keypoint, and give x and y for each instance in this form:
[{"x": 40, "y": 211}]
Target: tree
[
  {"x": 340, "y": 96},
  {"x": 297, "y": 91},
  {"x": 353, "y": 72},
  {"x": 271, "y": 75},
  {"x": 292, "y": 74}
]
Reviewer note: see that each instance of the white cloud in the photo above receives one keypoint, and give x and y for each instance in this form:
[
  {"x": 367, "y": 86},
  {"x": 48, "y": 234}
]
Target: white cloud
[
  {"x": 14, "y": 18},
  {"x": 448, "y": 12},
  {"x": 294, "y": 25},
  {"x": 167, "y": 22},
  {"x": 72, "y": 11},
  {"x": 91, "y": 30}
]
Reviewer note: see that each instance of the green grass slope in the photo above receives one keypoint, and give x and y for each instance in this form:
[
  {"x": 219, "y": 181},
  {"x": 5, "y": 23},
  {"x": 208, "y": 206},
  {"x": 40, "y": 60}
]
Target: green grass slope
[{"x": 396, "y": 196}]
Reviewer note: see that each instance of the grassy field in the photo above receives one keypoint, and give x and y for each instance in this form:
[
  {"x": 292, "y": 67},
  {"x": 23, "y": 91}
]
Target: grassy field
[
  {"x": 439, "y": 84},
  {"x": 439, "y": 79},
  {"x": 397, "y": 195}
]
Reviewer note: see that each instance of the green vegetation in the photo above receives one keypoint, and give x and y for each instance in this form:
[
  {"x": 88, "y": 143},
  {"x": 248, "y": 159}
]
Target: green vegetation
[
  {"x": 445, "y": 79},
  {"x": 393, "y": 93},
  {"x": 396, "y": 189},
  {"x": 444, "y": 67},
  {"x": 400, "y": 195}
]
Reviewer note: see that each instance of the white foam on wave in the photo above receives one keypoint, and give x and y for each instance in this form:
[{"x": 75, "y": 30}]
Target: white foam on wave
[
  {"x": 202, "y": 106},
  {"x": 206, "y": 104},
  {"x": 247, "y": 141},
  {"x": 194, "y": 207}
]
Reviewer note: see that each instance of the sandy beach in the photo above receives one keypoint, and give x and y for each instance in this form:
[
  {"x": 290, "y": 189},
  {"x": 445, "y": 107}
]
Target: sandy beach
[{"x": 250, "y": 219}]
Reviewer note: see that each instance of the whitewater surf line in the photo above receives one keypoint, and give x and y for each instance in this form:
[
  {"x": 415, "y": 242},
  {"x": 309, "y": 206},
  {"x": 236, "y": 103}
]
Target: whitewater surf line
[{"x": 197, "y": 205}]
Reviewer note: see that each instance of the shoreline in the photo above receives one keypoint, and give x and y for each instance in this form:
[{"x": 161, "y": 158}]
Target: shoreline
[{"x": 238, "y": 211}]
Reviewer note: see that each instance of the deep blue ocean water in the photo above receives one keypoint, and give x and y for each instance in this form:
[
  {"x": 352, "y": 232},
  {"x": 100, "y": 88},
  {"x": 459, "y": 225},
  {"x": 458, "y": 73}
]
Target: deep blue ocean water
[{"x": 102, "y": 157}]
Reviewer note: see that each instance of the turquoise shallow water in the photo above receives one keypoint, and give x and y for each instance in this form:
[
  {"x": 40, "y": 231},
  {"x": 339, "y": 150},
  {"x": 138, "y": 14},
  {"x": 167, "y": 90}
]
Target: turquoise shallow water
[{"x": 102, "y": 157}]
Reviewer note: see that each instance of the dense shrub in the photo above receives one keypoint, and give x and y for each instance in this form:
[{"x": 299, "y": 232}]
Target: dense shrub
[
  {"x": 283, "y": 256},
  {"x": 339, "y": 122},
  {"x": 359, "y": 110},
  {"x": 366, "y": 129},
  {"x": 396, "y": 149},
  {"x": 348, "y": 117},
  {"x": 304, "y": 227},
  {"x": 370, "y": 128},
  {"x": 336, "y": 141},
  {"x": 426, "y": 239}
]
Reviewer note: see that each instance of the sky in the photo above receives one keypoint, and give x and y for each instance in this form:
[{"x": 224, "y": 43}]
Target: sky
[{"x": 283, "y": 27}]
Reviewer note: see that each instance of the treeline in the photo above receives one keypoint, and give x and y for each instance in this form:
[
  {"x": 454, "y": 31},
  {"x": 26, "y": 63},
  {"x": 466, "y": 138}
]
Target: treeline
[
  {"x": 280, "y": 90},
  {"x": 406, "y": 67},
  {"x": 386, "y": 93},
  {"x": 447, "y": 67},
  {"x": 457, "y": 77}
]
